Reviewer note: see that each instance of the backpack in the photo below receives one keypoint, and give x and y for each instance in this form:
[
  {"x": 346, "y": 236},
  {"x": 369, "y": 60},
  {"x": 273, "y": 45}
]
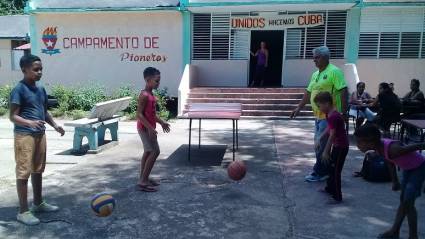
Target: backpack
[{"x": 374, "y": 168}]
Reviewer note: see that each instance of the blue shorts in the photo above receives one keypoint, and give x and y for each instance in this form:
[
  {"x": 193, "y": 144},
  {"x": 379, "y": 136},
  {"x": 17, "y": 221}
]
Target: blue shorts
[{"x": 412, "y": 182}]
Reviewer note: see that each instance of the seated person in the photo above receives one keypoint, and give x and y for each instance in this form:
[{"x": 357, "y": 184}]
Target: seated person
[
  {"x": 389, "y": 108},
  {"x": 413, "y": 102},
  {"x": 358, "y": 105}
]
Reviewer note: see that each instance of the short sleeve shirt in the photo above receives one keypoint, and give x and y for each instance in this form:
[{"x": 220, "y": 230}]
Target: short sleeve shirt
[
  {"x": 331, "y": 80},
  {"x": 32, "y": 101},
  {"x": 336, "y": 122}
]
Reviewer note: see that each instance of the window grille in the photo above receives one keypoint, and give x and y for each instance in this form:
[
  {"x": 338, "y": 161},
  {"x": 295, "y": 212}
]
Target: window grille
[
  {"x": 392, "y": 33},
  {"x": 212, "y": 38}
]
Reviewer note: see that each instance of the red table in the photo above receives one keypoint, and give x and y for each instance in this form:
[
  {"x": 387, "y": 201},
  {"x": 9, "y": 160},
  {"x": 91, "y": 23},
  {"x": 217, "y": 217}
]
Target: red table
[{"x": 225, "y": 111}]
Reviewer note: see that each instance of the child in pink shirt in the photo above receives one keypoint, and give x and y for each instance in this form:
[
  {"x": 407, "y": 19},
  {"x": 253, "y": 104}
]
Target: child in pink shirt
[{"x": 413, "y": 165}]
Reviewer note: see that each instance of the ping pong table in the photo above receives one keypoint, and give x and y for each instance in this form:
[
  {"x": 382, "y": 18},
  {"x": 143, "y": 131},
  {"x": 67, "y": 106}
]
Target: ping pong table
[{"x": 218, "y": 111}]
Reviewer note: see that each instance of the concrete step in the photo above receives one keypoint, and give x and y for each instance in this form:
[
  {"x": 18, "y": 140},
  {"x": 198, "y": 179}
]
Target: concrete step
[
  {"x": 248, "y": 95},
  {"x": 261, "y": 106},
  {"x": 273, "y": 113},
  {"x": 270, "y": 107},
  {"x": 243, "y": 101},
  {"x": 246, "y": 90}
]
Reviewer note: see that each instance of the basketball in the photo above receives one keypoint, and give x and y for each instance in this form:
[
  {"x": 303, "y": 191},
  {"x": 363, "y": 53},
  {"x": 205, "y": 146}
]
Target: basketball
[
  {"x": 103, "y": 204},
  {"x": 236, "y": 170}
]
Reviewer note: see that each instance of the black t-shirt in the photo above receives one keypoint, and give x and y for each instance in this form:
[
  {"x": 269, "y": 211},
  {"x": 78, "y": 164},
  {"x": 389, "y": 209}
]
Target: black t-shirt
[{"x": 389, "y": 105}]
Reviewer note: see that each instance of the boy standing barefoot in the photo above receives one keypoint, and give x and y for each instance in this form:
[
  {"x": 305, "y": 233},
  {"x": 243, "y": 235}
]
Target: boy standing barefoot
[
  {"x": 28, "y": 112},
  {"x": 146, "y": 124}
]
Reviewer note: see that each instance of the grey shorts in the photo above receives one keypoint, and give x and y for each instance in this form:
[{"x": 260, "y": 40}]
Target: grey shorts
[
  {"x": 150, "y": 144},
  {"x": 412, "y": 182}
]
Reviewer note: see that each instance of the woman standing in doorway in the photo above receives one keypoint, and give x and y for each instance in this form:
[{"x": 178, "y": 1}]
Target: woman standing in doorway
[{"x": 262, "y": 56}]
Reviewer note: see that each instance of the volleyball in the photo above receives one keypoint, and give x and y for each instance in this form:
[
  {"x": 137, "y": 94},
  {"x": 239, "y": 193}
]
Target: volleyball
[{"x": 103, "y": 204}]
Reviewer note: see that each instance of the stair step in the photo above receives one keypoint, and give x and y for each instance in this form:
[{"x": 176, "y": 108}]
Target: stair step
[
  {"x": 248, "y": 95},
  {"x": 243, "y": 101},
  {"x": 272, "y": 107},
  {"x": 246, "y": 90},
  {"x": 273, "y": 113},
  {"x": 276, "y": 117}
]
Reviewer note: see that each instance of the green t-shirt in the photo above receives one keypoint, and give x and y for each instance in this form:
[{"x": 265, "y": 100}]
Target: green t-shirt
[{"x": 330, "y": 80}]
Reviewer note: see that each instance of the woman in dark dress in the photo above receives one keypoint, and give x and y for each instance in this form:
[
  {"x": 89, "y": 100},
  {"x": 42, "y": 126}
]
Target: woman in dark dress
[
  {"x": 389, "y": 108},
  {"x": 262, "y": 56}
]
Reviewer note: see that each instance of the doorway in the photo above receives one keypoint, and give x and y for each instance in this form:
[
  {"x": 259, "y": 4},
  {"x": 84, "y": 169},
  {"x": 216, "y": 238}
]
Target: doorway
[{"x": 274, "y": 42}]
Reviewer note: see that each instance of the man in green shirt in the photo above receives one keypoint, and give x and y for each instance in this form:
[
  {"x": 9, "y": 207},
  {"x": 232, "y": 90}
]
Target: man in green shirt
[{"x": 328, "y": 78}]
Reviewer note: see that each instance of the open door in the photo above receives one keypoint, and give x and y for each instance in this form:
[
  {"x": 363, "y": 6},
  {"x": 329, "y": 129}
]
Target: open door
[{"x": 274, "y": 42}]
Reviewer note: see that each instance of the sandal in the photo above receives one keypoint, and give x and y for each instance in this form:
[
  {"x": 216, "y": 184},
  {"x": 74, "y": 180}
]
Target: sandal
[
  {"x": 147, "y": 188},
  {"x": 357, "y": 174},
  {"x": 153, "y": 183}
]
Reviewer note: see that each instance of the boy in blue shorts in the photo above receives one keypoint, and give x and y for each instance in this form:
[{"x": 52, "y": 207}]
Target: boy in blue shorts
[{"x": 28, "y": 112}]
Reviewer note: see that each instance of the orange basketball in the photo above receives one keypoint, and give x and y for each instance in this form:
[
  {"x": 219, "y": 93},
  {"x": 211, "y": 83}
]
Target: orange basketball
[{"x": 236, "y": 170}]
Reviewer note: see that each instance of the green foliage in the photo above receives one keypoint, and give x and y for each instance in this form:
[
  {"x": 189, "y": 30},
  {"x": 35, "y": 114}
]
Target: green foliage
[
  {"x": 128, "y": 91},
  {"x": 162, "y": 97},
  {"x": 12, "y": 7},
  {"x": 5, "y": 96},
  {"x": 75, "y": 102},
  {"x": 3, "y": 111},
  {"x": 77, "y": 114},
  {"x": 85, "y": 98}
]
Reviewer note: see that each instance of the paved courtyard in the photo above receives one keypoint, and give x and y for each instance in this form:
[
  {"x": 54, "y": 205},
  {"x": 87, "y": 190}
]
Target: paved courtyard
[{"x": 196, "y": 199}]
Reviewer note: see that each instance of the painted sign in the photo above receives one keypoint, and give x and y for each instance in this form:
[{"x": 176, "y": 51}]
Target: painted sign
[
  {"x": 49, "y": 39},
  {"x": 276, "y": 22},
  {"x": 126, "y": 43}
]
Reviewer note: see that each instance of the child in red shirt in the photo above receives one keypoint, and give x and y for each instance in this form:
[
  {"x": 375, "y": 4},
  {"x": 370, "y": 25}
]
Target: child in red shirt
[
  {"x": 146, "y": 124},
  {"x": 336, "y": 148}
]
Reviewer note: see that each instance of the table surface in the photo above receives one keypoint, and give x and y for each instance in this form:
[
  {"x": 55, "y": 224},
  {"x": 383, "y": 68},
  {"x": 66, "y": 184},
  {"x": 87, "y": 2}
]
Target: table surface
[
  {"x": 214, "y": 111},
  {"x": 415, "y": 123}
]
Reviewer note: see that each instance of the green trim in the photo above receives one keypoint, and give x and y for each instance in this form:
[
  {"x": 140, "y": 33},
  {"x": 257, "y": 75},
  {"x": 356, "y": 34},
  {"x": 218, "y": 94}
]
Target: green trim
[
  {"x": 352, "y": 36},
  {"x": 187, "y": 36},
  {"x": 206, "y": 4},
  {"x": 33, "y": 35},
  {"x": 392, "y": 4},
  {"x": 83, "y": 10}
]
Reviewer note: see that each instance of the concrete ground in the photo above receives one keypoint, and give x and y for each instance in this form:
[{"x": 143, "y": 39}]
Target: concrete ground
[{"x": 196, "y": 199}]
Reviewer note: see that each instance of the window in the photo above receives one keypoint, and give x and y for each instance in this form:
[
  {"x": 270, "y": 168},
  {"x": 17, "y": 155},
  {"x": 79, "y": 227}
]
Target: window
[
  {"x": 301, "y": 41},
  {"x": 17, "y": 54},
  {"x": 212, "y": 38},
  {"x": 392, "y": 33}
]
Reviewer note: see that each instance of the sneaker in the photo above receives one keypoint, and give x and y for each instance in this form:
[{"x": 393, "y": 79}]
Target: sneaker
[
  {"x": 44, "y": 207},
  {"x": 315, "y": 178},
  {"x": 27, "y": 218}
]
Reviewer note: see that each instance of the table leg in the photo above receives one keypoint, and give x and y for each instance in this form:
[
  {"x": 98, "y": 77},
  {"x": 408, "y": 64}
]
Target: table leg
[
  {"x": 233, "y": 131},
  {"x": 402, "y": 133},
  {"x": 237, "y": 134},
  {"x": 199, "y": 143},
  {"x": 190, "y": 136}
]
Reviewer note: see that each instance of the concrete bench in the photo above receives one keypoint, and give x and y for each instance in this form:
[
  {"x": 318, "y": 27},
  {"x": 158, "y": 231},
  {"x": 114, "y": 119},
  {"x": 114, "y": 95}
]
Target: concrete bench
[{"x": 102, "y": 117}]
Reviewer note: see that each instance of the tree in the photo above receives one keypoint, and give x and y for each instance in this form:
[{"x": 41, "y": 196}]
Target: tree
[{"x": 11, "y": 7}]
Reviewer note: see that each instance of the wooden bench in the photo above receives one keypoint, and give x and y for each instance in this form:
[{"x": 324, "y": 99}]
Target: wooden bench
[{"x": 102, "y": 117}]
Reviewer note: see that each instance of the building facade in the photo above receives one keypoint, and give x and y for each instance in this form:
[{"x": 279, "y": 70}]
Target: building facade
[
  {"x": 10, "y": 39},
  {"x": 109, "y": 42}
]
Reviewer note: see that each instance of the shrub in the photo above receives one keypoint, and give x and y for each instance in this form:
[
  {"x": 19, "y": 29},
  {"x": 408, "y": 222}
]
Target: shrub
[
  {"x": 77, "y": 114},
  {"x": 5, "y": 95},
  {"x": 162, "y": 97},
  {"x": 85, "y": 98},
  {"x": 3, "y": 111}
]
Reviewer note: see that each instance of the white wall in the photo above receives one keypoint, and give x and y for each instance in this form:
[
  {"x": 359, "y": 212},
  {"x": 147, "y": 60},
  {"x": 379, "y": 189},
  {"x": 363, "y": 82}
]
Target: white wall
[
  {"x": 398, "y": 71},
  {"x": 297, "y": 72},
  {"x": 105, "y": 66},
  {"x": 222, "y": 73},
  {"x": 7, "y": 74}
]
